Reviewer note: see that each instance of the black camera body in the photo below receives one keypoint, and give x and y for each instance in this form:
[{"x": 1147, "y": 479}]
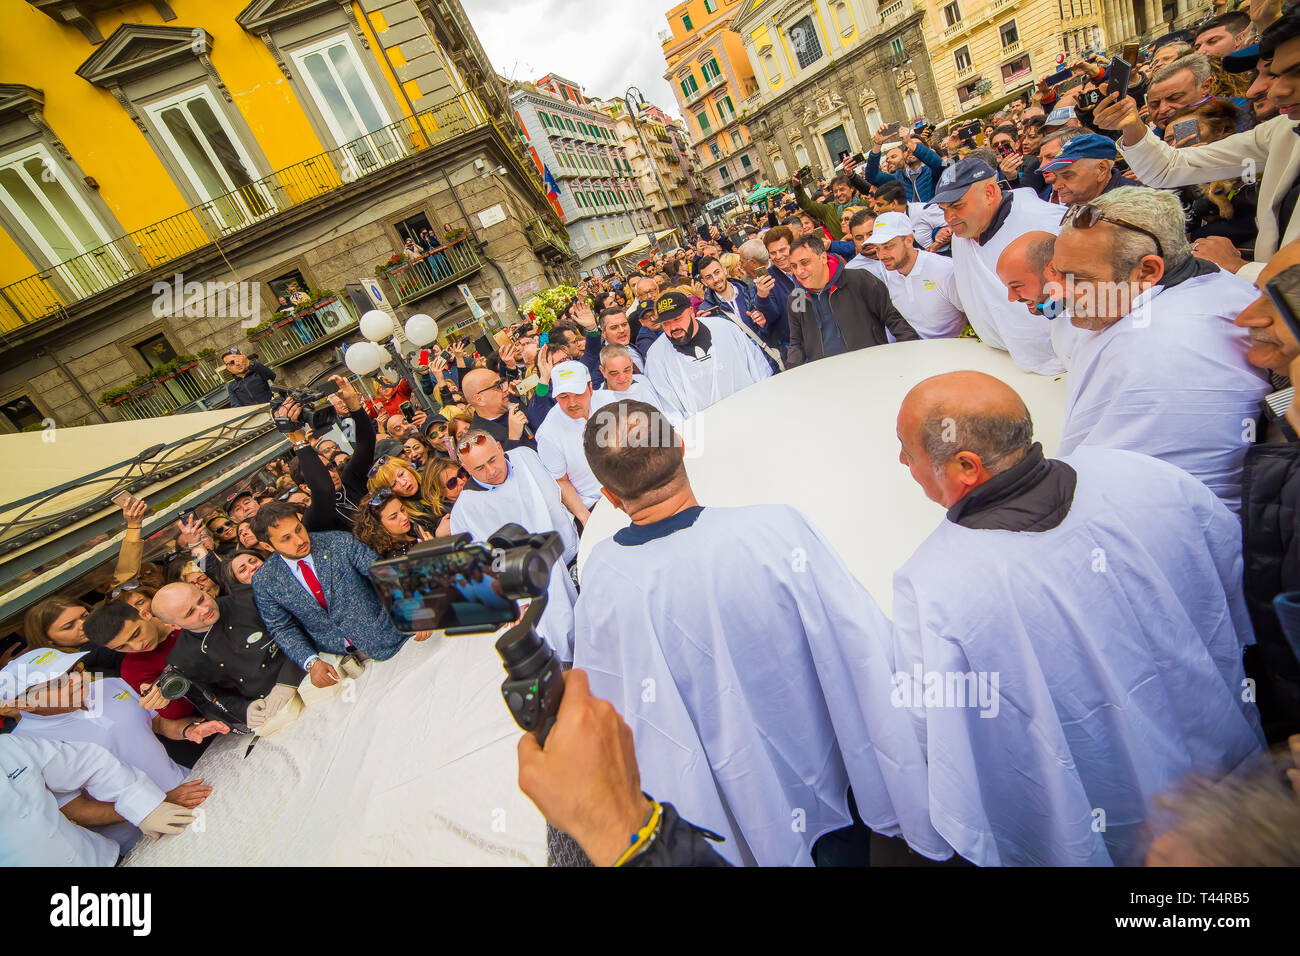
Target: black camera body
[
  {"x": 464, "y": 587},
  {"x": 173, "y": 685},
  {"x": 317, "y": 412}
]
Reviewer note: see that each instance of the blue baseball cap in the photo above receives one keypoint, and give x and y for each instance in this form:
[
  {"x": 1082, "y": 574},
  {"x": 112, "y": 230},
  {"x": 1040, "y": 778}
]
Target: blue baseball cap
[
  {"x": 959, "y": 177},
  {"x": 1059, "y": 116},
  {"x": 1242, "y": 60},
  {"x": 1088, "y": 146}
]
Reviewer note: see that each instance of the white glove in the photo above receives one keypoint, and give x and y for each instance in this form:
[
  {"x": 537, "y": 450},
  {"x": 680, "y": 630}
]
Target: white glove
[
  {"x": 166, "y": 819},
  {"x": 260, "y": 711},
  {"x": 350, "y": 667}
]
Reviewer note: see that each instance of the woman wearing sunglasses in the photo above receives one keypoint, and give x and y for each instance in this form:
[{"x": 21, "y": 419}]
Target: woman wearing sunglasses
[
  {"x": 443, "y": 482},
  {"x": 397, "y": 475},
  {"x": 384, "y": 526}
]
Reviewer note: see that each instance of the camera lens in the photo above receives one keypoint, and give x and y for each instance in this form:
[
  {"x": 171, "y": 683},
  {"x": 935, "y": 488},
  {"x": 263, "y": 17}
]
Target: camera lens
[{"x": 172, "y": 685}]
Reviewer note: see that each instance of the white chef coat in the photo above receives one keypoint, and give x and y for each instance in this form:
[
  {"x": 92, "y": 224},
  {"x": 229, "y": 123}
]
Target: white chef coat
[{"x": 927, "y": 296}]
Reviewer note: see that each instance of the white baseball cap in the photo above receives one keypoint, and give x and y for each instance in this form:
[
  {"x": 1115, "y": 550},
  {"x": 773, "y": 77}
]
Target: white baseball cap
[
  {"x": 570, "y": 378},
  {"x": 35, "y": 668},
  {"x": 890, "y": 225}
]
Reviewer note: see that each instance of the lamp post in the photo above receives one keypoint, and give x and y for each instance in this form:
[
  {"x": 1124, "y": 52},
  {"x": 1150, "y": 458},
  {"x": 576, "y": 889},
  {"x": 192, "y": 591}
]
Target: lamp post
[
  {"x": 634, "y": 95},
  {"x": 366, "y": 358}
]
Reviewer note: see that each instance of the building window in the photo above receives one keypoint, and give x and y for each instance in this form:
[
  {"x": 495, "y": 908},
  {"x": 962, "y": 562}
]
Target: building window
[
  {"x": 703, "y": 119},
  {"x": 807, "y": 47},
  {"x": 710, "y": 6},
  {"x": 689, "y": 86},
  {"x": 951, "y": 15},
  {"x": 340, "y": 89},
  {"x": 686, "y": 22},
  {"x": 736, "y": 139},
  {"x": 22, "y": 413},
  {"x": 713, "y": 148},
  {"x": 896, "y": 47},
  {"x": 58, "y": 221},
  {"x": 1010, "y": 35},
  {"x": 962, "y": 57},
  {"x": 967, "y": 90},
  {"x": 744, "y": 161},
  {"x": 912, "y": 100},
  {"x": 710, "y": 70},
  {"x": 726, "y": 111},
  {"x": 1015, "y": 68}
]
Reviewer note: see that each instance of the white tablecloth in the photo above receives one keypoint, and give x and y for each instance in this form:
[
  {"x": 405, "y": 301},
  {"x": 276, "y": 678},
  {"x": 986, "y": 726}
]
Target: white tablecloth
[{"x": 412, "y": 764}]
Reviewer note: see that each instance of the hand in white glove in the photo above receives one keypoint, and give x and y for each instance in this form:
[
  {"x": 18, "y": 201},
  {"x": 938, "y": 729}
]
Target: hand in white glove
[
  {"x": 260, "y": 711},
  {"x": 167, "y": 819}
]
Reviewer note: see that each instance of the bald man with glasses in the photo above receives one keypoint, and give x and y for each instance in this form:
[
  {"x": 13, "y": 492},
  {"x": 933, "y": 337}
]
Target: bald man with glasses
[{"x": 488, "y": 394}]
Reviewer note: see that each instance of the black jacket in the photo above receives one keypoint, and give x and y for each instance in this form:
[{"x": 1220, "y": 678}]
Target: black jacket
[
  {"x": 253, "y": 389},
  {"x": 860, "y": 306},
  {"x": 332, "y": 510},
  {"x": 233, "y": 668},
  {"x": 1270, "y": 527}
]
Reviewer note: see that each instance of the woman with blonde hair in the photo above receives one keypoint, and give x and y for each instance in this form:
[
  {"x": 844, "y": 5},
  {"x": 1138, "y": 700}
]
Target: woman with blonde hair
[
  {"x": 396, "y": 474},
  {"x": 731, "y": 262}
]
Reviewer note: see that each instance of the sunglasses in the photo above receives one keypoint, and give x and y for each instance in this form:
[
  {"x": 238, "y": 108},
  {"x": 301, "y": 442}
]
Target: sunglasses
[
  {"x": 469, "y": 443},
  {"x": 378, "y": 499},
  {"x": 220, "y": 528},
  {"x": 456, "y": 479},
  {"x": 1085, "y": 216},
  {"x": 121, "y": 588},
  {"x": 374, "y": 469},
  {"x": 501, "y": 383}
]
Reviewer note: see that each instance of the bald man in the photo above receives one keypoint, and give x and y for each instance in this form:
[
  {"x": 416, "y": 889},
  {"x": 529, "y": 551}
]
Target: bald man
[
  {"x": 1085, "y": 650},
  {"x": 226, "y": 650},
  {"x": 487, "y": 393},
  {"x": 751, "y": 665},
  {"x": 984, "y": 220},
  {"x": 1025, "y": 268}
]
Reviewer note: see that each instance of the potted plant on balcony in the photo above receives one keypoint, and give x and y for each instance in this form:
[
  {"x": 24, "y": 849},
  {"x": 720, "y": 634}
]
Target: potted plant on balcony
[
  {"x": 390, "y": 264},
  {"x": 115, "y": 396}
]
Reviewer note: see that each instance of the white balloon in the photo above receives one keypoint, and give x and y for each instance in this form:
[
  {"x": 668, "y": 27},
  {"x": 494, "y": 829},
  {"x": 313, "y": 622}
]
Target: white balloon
[
  {"x": 376, "y": 325},
  {"x": 421, "y": 329},
  {"x": 364, "y": 357}
]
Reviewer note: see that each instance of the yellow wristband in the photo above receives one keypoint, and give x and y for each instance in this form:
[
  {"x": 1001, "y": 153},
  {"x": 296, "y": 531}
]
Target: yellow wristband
[{"x": 641, "y": 839}]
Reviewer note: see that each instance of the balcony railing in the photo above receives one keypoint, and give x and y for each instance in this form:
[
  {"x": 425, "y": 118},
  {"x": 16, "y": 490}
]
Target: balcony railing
[
  {"x": 167, "y": 395},
  {"x": 47, "y": 292},
  {"x": 294, "y": 335},
  {"x": 543, "y": 235},
  {"x": 891, "y": 10},
  {"x": 422, "y": 276}
]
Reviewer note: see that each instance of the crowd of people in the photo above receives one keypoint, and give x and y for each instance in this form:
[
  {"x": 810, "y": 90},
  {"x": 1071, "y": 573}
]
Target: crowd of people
[{"x": 1124, "y": 614}]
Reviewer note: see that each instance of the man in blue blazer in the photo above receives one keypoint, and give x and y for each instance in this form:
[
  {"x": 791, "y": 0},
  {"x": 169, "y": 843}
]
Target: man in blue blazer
[{"x": 315, "y": 595}]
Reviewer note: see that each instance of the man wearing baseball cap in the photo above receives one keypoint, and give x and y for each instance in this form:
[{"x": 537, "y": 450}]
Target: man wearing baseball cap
[
  {"x": 72, "y": 708},
  {"x": 1262, "y": 106},
  {"x": 697, "y": 363},
  {"x": 1084, "y": 169},
  {"x": 241, "y": 505},
  {"x": 984, "y": 220},
  {"x": 920, "y": 283},
  {"x": 559, "y": 437}
]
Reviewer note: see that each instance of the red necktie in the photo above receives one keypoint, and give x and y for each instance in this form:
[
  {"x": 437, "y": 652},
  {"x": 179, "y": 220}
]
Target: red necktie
[{"x": 313, "y": 585}]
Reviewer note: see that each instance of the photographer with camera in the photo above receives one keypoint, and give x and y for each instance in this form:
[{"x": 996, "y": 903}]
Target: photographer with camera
[
  {"x": 224, "y": 647},
  {"x": 315, "y": 596},
  {"x": 335, "y": 493}
]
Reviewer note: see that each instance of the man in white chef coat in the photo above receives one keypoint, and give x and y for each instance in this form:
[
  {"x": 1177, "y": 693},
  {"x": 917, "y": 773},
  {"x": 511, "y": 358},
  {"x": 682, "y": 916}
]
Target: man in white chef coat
[
  {"x": 515, "y": 487},
  {"x": 920, "y": 283},
  {"x": 696, "y": 363},
  {"x": 1069, "y": 639},
  {"x": 751, "y": 665},
  {"x": 984, "y": 219},
  {"x": 559, "y": 437},
  {"x": 1159, "y": 368}
]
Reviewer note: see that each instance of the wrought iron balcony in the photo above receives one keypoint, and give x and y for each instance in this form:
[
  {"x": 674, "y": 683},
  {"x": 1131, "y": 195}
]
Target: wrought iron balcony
[
  {"x": 543, "y": 237},
  {"x": 424, "y": 275},
  {"x": 51, "y": 290},
  {"x": 291, "y": 336},
  {"x": 169, "y": 394}
]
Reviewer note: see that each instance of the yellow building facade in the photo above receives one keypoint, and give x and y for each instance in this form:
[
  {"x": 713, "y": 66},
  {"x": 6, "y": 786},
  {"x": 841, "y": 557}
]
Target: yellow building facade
[{"x": 711, "y": 75}]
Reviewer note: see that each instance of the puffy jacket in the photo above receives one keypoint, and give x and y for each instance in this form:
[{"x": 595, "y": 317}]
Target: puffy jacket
[{"x": 1270, "y": 527}]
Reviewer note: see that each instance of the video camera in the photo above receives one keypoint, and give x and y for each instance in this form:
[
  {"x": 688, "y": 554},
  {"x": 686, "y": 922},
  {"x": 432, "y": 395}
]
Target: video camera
[
  {"x": 462, "y": 586},
  {"x": 317, "y": 412}
]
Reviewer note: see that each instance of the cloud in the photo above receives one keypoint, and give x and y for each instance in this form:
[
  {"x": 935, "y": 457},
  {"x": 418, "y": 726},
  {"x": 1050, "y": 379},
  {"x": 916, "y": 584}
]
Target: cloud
[{"x": 604, "y": 49}]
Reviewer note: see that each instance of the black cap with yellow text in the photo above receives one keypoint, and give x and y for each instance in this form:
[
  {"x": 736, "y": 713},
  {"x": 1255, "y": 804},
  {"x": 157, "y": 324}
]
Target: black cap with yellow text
[{"x": 670, "y": 305}]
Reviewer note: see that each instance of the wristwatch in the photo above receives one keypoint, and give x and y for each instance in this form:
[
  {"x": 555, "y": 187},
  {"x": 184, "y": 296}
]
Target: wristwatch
[{"x": 306, "y": 665}]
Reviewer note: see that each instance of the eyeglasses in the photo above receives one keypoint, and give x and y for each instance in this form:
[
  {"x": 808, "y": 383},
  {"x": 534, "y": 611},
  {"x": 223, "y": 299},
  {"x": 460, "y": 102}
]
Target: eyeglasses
[
  {"x": 499, "y": 383},
  {"x": 374, "y": 469},
  {"x": 378, "y": 499},
  {"x": 1085, "y": 216},
  {"x": 125, "y": 586},
  {"x": 456, "y": 479},
  {"x": 221, "y": 528},
  {"x": 469, "y": 443}
]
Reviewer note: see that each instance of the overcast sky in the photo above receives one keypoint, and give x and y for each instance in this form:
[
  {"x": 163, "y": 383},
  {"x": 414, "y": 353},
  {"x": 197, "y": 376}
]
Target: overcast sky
[{"x": 604, "y": 48}]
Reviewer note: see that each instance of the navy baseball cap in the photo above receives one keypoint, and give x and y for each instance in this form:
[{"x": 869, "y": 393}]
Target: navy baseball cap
[
  {"x": 1059, "y": 116},
  {"x": 1088, "y": 146},
  {"x": 670, "y": 305},
  {"x": 959, "y": 177},
  {"x": 1242, "y": 60}
]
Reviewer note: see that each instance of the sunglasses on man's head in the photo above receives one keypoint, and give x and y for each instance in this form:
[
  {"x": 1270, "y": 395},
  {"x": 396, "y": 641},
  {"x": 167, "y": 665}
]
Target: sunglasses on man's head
[
  {"x": 1085, "y": 216},
  {"x": 469, "y": 443}
]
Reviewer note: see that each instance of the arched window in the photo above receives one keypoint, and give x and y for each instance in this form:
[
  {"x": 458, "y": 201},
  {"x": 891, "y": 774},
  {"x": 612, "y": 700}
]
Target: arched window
[{"x": 807, "y": 45}]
